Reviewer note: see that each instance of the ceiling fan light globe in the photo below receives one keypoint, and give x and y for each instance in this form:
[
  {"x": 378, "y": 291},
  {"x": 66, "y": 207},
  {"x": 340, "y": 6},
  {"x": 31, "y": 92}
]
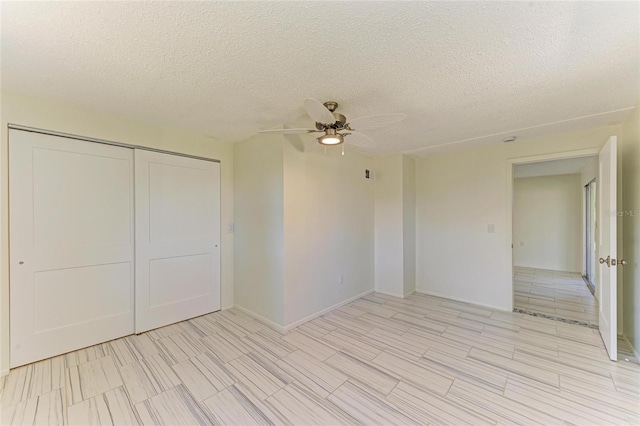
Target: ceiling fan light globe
[{"x": 331, "y": 140}]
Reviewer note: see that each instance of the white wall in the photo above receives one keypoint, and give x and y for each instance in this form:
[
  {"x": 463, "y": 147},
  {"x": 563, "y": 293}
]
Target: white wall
[
  {"x": 328, "y": 229},
  {"x": 389, "y": 225},
  {"x": 631, "y": 248},
  {"x": 259, "y": 226},
  {"x": 547, "y": 218},
  {"x": 304, "y": 229},
  {"x": 409, "y": 224},
  {"x": 395, "y": 230},
  {"x": 35, "y": 112},
  {"x": 457, "y": 195}
]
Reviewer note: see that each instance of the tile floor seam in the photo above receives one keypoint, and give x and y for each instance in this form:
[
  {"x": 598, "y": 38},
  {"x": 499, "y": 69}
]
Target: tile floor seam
[{"x": 126, "y": 392}]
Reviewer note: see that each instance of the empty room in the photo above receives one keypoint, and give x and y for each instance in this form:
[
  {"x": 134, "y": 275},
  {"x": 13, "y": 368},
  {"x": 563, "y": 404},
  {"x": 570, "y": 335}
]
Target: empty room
[{"x": 319, "y": 213}]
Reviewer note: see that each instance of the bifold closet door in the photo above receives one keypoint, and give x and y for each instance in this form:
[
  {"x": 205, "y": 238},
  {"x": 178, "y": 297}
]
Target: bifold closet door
[
  {"x": 71, "y": 244},
  {"x": 177, "y": 221}
]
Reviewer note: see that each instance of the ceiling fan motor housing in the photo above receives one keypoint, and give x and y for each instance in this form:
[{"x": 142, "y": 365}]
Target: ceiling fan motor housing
[{"x": 341, "y": 120}]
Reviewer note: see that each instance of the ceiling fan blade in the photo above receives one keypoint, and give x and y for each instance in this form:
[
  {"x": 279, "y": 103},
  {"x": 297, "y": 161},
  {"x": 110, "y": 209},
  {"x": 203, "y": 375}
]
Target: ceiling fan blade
[
  {"x": 359, "y": 140},
  {"x": 285, "y": 131},
  {"x": 318, "y": 112},
  {"x": 375, "y": 121}
]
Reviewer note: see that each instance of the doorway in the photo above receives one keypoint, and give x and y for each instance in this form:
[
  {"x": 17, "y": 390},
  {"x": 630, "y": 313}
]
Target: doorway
[
  {"x": 548, "y": 236},
  {"x": 606, "y": 279}
]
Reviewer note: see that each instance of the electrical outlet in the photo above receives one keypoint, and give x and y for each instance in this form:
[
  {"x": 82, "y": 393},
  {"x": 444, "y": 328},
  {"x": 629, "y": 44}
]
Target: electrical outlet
[
  {"x": 521, "y": 243},
  {"x": 230, "y": 228},
  {"x": 490, "y": 228},
  {"x": 340, "y": 279}
]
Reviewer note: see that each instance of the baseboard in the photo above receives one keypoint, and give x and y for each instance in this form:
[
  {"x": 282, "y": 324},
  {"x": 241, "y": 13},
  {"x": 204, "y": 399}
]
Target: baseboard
[
  {"x": 456, "y": 299},
  {"x": 388, "y": 293},
  {"x": 635, "y": 352},
  {"x": 224, "y": 308},
  {"x": 283, "y": 329},
  {"x": 398, "y": 295},
  {"x": 277, "y": 327},
  {"x": 547, "y": 269},
  {"x": 325, "y": 310},
  {"x": 590, "y": 286}
]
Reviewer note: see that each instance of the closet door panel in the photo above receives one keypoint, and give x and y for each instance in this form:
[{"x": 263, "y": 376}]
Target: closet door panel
[
  {"x": 71, "y": 244},
  {"x": 177, "y": 238}
]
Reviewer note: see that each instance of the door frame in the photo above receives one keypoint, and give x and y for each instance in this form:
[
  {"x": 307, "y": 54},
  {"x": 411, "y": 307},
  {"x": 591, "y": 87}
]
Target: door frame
[
  {"x": 587, "y": 219},
  {"x": 12, "y": 126},
  {"x": 511, "y": 163}
]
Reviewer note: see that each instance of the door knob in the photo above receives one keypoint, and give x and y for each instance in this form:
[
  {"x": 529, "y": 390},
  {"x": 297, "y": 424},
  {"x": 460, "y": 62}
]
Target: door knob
[
  {"x": 622, "y": 262},
  {"x": 607, "y": 261}
]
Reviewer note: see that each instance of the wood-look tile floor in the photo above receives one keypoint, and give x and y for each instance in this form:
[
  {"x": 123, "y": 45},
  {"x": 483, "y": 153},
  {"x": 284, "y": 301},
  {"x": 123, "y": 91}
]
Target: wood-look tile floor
[
  {"x": 560, "y": 294},
  {"x": 379, "y": 360}
]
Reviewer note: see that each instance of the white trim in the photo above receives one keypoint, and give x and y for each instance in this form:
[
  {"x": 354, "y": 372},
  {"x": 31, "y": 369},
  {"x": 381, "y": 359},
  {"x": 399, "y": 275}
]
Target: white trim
[
  {"x": 104, "y": 142},
  {"x": 590, "y": 152},
  {"x": 277, "y": 327},
  {"x": 283, "y": 329},
  {"x": 389, "y": 293},
  {"x": 470, "y": 302},
  {"x": 4, "y": 373},
  {"x": 224, "y": 308},
  {"x": 398, "y": 295},
  {"x": 324, "y": 311},
  {"x": 409, "y": 293},
  {"x": 635, "y": 352},
  {"x": 416, "y": 152}
]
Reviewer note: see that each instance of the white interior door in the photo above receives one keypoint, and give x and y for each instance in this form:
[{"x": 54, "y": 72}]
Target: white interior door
[
  {"x": 71, "y": 244},
  {"x": 607, "y": 246},
  {"x": 177, "y": 238}
]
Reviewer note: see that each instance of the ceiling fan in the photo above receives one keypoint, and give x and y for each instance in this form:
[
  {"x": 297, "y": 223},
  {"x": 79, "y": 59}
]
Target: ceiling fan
[{"x": 336, "y": 128}]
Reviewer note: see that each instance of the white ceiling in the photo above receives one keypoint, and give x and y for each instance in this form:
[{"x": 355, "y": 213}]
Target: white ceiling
[
  {"x": 565, "y": 166},
  {"x": 466, "y": 73}
]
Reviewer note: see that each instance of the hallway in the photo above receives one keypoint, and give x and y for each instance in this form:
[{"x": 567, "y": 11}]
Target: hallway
[{"x": 556, "y": 295}]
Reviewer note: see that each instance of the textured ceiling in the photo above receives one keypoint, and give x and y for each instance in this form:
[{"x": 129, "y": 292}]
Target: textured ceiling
[
  {"x": 466, "y": 73},
  {"x": 566, "y": 166}
]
